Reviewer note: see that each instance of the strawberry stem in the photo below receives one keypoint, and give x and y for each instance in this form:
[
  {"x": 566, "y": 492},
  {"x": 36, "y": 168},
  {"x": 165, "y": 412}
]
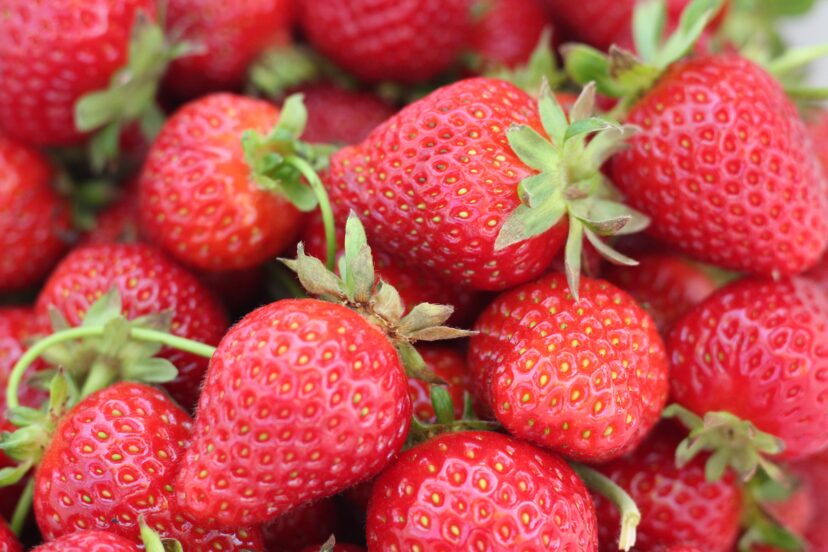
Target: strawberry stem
[
  {"x": 324, "y": 205},
  {"x": 21, "y": 510},
  {"x": 606, "y": 487}
]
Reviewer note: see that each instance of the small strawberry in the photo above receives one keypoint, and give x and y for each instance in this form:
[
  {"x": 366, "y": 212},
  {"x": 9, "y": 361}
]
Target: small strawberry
[
  {"x": 305, "y": 398},
  {"x": 667, "y": 286},
  {"x": 448, "y": 364},
  {"x": 757, "y": 351},
  {"x": 480, "y": 491},
  {"x": 508, "y": 31},
  {"x": 112, "y": 460},
  {"x": 302, "y": 526},
  {"x": 148, "y": 282},
  {"x": 478, "y": 183},
  {"x": 229, "y": 38},
  {"x": 586, "y": 378},
  {"x": 339, "y": 116},
  {"x": 407, "y": 41},
  {"x": 34, "y": 220},
  {"x": 678, "y": 505},
  {"x": 8, "y": 540}
]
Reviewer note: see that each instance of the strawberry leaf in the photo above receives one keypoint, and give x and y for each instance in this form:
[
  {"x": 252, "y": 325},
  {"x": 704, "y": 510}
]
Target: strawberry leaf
[
  {"x": 387, "y": 303},
  {"x": 415, "y": 366},
  {"x": 424, "y": 315},
  {"x": 359, "y": 274},
  {"x": 572, "y": 256},
  {"x": 648, "y": 28},
  {"x": 552, "y": 116},
  {"x": 314, "y": 276}
]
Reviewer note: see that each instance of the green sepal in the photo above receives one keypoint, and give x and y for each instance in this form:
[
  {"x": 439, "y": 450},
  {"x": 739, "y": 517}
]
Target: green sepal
[
  {"x": 154, "y": 543},
  {"x": 387, "y": 302},
  {"x": 572, "y": 256},
  {"x": 328, "y": 545},
  {"x": 150, "y": 370},
  {"x": 24, "y": 416},
  {"x": 648, "y": 28},
  {"x": 542, "y": 64},
  {"x": 733, "y": 443},
  {"x": 314, "y": 276},
  {"x": 282, "y": 68},
  {"x": 585, "y": 64},
  {"x": 415, "y": 366},
  {"x": 12, "y": 475},
  {"x": 358, "y": 263},
  {"x": 424, "y": 323},
  {"x": 441, "y": 403},
  {"x": 694, "y": 20}
]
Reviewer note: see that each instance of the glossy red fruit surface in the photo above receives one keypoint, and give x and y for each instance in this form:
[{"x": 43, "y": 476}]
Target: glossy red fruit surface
[
  {"x": 376, "y": 40},
  {"x": 230, "y": 36},
  {"x": 90, "y": 541},
  {"x": 34, "y": 220},
  {"x": 339, "y": 116},
  {"x": 113, "y": 459},
  {"x": 508, "y": 32},
  {"x": 724, "y": 167},
  {"x": 305, "y": 525},
  {"x": 678, "y": 505},
  {"x": 8, "y": 540},
  {"x": 51, "y": 54},
  {"x": 587, "y": 379},
  {"x": 148, "y": 282},
  {"x": 434, "y": 184},
  {"x": 480, "y": 491},
  {"x": 819, "y": 133},
  {"x": 302, "y": 399},
  {"x": 448, "y": 364},
  {"x": 758, "y": 349},
  {"x": 198, "y": 197},
  {"x": 812, "y": 474}
]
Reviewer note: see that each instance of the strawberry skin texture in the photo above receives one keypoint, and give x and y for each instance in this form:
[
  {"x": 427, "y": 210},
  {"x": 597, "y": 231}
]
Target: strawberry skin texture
[
  {"x": 148, "y": 282},
  {"x": 305, "y": 525},
  {"x": 724, "y": 167},
  {"x": 678, "y": 505},
  {"x": 587, "y": 379},
  {"x": 198, "y": 199},
  {"x": 402, "y": 40},
  {"x": 508, "y": 32},
  {"x": 113, "y": 458},
  {"x": 450, "y": 365},
  {"x": 667, "y": 286},
  {"x": 819, "y": 133},
  {"x": 434, "y": 184},
  {"x": 758, "y": 349},
  {"x": 8, "y": 540},
  {"x": 339, "y": 116},
  {"x": 302, "y": 399},
  {"x": 51, "y": 54},
  {"x": 231, "y": 34},
  {"x": 90, "y": 541},
  {"x": 34, "y": 220},
  {"x": 480, "y": 491}
]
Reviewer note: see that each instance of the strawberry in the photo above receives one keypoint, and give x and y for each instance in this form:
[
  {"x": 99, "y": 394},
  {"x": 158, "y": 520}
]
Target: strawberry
[
  {"x": 665, "y": 285},
  {"x": 585, "y": 378},
  {"x": 305, "y": 398},
  {"x": 756, "y": 350},
  {"x": 480, "y": 491},
  {"x": 407, "y": 41},
  {"x": 229, "y": 37},
  {"x": 113, "y": 459},
  {"x": 508, "y": 31},
  {"x": 302, "y": 526},
  {"x": 90, "y": 541},
  {"x": 337, "y": 115},
  {"x": 34, "y": 220},
  {"x": 818, "y": 128},
  {"x": 440, "y": 184},
  {"x": 678, "y": 505},
  {"x": 118, "y": 223},
  {"x": 198, "y": 198},
  {"x": 8, "y": 540},
  {"x": 148, "y": 282},
  {"x": 812, "y": 475},
  {"x": 448, "y": 364}
]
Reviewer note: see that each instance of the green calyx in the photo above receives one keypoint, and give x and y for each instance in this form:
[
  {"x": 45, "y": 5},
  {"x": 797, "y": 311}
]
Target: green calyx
[
  {"x": 356, "y": 286},
  {"x": 542, "y": 64},
  {"x": 761, "y": 525},
  {"x": 131, "y": 93},
  {"x": 570, "y": 182},
  {"x": 625, "y": 75},
  {"x": 154, "y": 543},
  {"x": 733, "y": 443},
  {"x": 280, "y": 69},
  {"x": 629, "y": 513}
]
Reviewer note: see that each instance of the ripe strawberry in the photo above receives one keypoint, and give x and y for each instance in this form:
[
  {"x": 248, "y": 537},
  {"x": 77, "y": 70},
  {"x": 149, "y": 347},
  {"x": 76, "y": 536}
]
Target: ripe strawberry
[
  {"x": 812, "y": 475},
  {"x": 339, "y": 116},
  {"x": 229, "y": 36},
  {"x": 723, "y": 165},
  {"x": 508, "y": 32},
  {"x": 148, "y": 282},
  {"x": 8, "y": 540},
  {"x": 438, "y": 184},
  {"x": 90, "y": 541},
  {"x": 112, "y": 460},
  {"x": 667, "y": 286},
  {"x": 678, "y": 505},
  {"x": 407, "y": 41},
  {"x": 587, "y": 378},
  {"x": 118, "y": 223},
  {"x": 199, "y": 200},
  {"x": 34, "y": 220},
  {"x": 480, "y": 491},
  {"x": 448, "y": 364},
  {"x": 302, "y": 526},
  {"x": 818, "y": 128},
  {"x": 759, "y": 350}
]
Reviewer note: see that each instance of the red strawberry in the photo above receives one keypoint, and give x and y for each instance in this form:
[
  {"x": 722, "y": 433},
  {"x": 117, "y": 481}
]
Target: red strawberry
[
  {"x": 678, "y": 505},
  {"x": 406, "y": 41},
  {"x": 437, "y": 184},
  {"x": 759, "y": 350},
  {"x": 667, "y": 286},
  {"x": 90, "y": 541},
  {"x": 812, "y": 474},
  {"x": 198, "y": 197},
  {"x": 302, "y": 526},
  {"x": 113, "y": 459},
  {"x": 819, "y": 133},
  {"x": 723, "y": 165},
  {"x": 230, "y": 37},
  {"x": 118, "y": 223},
  {"x": 148, "y": 282},
  {"x": 34, "y": 220},
  {"x": 480, "y": 491},
  {"x": 8, "y": 540},
  {"x": 448, "y": 364},
  {"x": 508, "y": 32},
  {"x": 587, "y": 378},
  {"x": 52, "y": 54},
  {"x": 339, "y": 116}
]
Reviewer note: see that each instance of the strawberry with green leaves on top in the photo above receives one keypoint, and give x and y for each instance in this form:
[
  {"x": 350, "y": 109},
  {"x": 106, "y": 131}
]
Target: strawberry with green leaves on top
[{"x": 305, "y": 398}]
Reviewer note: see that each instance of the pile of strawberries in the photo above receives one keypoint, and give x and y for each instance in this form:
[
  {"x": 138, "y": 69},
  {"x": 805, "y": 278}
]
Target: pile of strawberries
[{"x": 231, "y": 233}]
